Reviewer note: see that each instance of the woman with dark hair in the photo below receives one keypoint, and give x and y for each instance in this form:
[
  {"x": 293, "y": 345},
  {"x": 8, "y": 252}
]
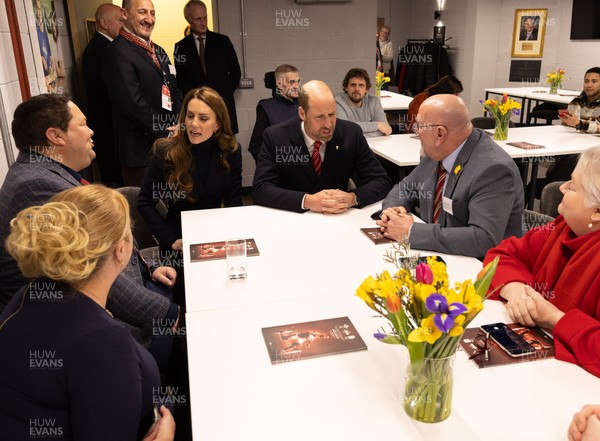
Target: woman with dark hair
[
  {"x": 198, "y": 168},
  {"x": 448, "y": 84}
]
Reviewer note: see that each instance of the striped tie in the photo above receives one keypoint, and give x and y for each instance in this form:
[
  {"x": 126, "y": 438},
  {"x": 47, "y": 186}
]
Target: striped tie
[
  {"x": 439, "y": 189},
  {"x": 316, "y": 158}
]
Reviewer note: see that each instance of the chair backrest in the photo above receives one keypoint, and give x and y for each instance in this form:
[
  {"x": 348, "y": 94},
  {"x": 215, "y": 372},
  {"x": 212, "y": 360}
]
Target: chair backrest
[
  {"x": 270, "y": 82},
  {"x": 486, "y": 122},
  {"x": 550, "y": 198},
  {"x": 532, "y": 219},
  {"x": 140, "y": 229}
]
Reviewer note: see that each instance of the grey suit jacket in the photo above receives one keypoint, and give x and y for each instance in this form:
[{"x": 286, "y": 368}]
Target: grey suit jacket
[
  {"x": 487, "y": 200},
  {"x": 34, "y": 179}
]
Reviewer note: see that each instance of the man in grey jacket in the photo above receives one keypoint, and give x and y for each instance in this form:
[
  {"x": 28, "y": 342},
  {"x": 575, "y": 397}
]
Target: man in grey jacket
[
  {"x": 54, "y": 143},
  {"x": 468, "y": 189},
  {"x": 356, "y": 105}
]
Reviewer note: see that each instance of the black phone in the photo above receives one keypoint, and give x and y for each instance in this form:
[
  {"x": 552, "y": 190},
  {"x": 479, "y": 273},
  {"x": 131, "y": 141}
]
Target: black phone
[{"x": 511, "y": 342}]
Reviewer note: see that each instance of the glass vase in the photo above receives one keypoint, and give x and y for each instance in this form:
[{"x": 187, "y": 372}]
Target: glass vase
[
  {"x": 378, "y": 90},
  {"x": 553, "y": 89},
  {"x": 501, "y": 129},
  {"x": 428, "y": 389}
]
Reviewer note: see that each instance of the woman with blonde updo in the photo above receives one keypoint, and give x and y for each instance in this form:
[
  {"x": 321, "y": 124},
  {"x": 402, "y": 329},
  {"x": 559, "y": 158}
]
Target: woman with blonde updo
[{"x": 68, "y": 369}]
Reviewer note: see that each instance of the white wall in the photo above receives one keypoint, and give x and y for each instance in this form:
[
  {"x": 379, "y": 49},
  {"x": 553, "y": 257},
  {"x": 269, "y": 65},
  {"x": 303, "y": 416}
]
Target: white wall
[
  {"x": 9, "y": 83},
  {"x": 328, "y": 40}
]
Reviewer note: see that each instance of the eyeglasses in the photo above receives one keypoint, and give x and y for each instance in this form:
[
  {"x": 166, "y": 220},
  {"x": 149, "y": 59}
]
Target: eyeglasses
[
  {"x": 418, "y": 126},
  {"x": 483, "y": 347}
]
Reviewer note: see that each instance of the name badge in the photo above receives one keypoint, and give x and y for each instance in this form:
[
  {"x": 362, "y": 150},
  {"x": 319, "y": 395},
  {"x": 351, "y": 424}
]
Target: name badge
[
  {"x": 166, "y": 98},
  {"x": 172, "y": 70},
  {"x": 447, "y": 204}
]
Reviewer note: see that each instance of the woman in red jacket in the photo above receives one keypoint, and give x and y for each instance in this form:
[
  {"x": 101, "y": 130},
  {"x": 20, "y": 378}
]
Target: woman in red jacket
[{"x": 551, "y": 276}]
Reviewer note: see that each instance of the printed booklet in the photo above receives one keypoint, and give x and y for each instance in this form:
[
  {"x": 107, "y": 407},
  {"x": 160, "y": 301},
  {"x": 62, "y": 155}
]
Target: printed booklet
[
  {"x": 375, "y": 235},
  {"x": 216, "y": 250},
  {"x": 297, "y": 341}
]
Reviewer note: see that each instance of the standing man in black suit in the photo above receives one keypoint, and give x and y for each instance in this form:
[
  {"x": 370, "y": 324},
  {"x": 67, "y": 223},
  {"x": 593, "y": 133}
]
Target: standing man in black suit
[
  {"x": 109, "y": 21},
  {"x": 306, "y": 163},
  {"x": 206, "y": 58},
  {"x": 141, "y": 84}
]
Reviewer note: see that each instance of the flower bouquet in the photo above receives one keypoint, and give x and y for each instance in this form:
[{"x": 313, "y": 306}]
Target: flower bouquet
[
  {"x": 501, "y": 111},
  {"x": 428, "y": 317},
  {"x": 380, "y": 80},
  {"x": 555, "y": 78}
]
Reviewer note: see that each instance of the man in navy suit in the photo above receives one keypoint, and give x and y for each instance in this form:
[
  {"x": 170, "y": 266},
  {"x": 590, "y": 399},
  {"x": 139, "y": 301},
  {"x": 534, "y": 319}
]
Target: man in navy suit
[
  {"x": 219, "y": 70},
  {"x": 109, "y": 21},
  {"x": 141, "y": 84},
  {"x": 306, "y": 163}
]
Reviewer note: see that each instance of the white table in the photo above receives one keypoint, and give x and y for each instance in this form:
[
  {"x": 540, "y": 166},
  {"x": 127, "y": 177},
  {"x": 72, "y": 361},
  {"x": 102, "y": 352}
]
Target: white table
[
  {"x": 557, "y": 140},
  {"x": 301, "y": 255},
  {"x": 394, "y": 101},
  {"x": 404, "y": 150},
  {"x": 529, "y": 94},
  {"x": 237, "y": 394}
]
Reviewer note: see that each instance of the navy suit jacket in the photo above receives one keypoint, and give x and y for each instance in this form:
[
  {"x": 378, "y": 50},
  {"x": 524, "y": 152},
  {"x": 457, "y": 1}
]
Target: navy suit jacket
[
  {"x": 486, "y": 194},
  {"x": 33, "y": 180},
  {"x": 285, "y": 173},
  {"x": 134, "y": 85},
  {"x": 223, "y": 70}
]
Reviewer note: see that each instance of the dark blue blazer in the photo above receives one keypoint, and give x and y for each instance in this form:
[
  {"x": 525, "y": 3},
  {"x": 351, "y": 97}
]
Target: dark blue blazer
[
  {"x": 134, "y": 85},
  {"x": 285, "y": 173},
  {"x": 223, "y": 70}
]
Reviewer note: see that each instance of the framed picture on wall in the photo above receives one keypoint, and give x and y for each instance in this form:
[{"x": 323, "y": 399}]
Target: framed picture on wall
[
  {"x": 529, "y": 32},
  {"x": 90, "y": 28}
]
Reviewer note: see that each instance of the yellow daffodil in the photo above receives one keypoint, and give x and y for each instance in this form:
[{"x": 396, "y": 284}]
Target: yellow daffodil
[
  {"x": 427, "y": 332},
  {"x": 457, "y": 169},
  {"x": 457, "y": 329}
]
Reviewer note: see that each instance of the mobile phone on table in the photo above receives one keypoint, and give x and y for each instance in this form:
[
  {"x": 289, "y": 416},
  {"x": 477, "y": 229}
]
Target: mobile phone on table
[{"x": 508, "y": 340}]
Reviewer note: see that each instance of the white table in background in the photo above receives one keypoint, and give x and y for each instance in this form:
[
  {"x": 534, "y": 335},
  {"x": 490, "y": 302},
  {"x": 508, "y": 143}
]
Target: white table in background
[
  {"x": 236, "y": 394},
  {"x": 394, "y": 101},
  {"x": 301, "y": 255},
  {"x": 557, "y": 140},
  {"x": 533, "y": 93},
  {"x": 403, "y": 150}
]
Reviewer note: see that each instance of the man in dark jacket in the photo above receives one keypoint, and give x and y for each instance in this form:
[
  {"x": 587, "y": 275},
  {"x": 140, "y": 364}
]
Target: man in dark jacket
[
  {"x": 280, "y": 108},
  {"x": 206, "y": 58}
]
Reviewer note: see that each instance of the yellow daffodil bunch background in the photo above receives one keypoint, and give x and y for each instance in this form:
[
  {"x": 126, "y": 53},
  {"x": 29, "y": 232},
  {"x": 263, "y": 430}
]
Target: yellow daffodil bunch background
[
  {"x": 500, "y": 109},
  {"x": 426, "y": 314},
  {"x": 380, "y": 79},
  {"x": 555, "y": 78}
]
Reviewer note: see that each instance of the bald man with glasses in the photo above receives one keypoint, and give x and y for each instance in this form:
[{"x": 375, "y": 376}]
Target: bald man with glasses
[{"x": 468, "y": 189}]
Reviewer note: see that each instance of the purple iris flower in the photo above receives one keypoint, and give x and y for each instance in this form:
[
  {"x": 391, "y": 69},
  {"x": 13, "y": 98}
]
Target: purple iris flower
[{"x": 444, "y": 312}]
